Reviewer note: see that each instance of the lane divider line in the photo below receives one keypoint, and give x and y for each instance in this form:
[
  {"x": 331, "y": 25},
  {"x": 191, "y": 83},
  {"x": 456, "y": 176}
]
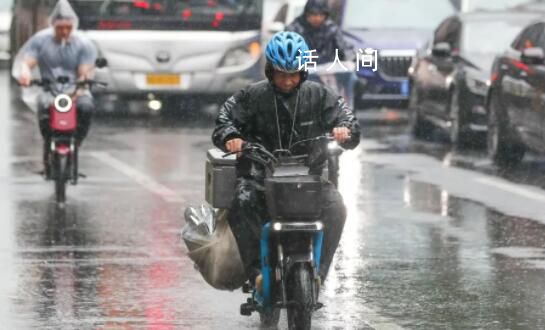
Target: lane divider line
[{"x": 142, "y": 179}]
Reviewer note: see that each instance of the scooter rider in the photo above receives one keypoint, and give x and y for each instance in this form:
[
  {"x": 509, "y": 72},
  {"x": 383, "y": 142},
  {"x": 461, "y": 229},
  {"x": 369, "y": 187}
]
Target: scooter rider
[
  {"x": 59, "y": 51},
  {"x": 277, "y": 113},
  {"x": 321, "y": 33}
]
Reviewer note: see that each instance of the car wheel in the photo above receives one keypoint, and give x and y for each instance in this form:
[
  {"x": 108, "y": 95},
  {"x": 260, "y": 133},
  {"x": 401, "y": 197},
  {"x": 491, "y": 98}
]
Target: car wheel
[
  {"x": 420, "y": 128},
  {"x": 502, "y": 150},
  {"x": 459, "y": 137}
]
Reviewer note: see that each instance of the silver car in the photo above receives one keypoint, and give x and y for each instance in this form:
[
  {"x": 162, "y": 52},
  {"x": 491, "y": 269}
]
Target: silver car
[{"x": 172, "y": 50}]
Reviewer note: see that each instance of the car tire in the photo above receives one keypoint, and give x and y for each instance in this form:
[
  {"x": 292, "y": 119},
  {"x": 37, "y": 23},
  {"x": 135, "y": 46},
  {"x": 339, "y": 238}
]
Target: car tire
[
  {"x": 420, "y": 128},
  {"x": 502, "y": 150},
  {"x": 459, "y": 136}
]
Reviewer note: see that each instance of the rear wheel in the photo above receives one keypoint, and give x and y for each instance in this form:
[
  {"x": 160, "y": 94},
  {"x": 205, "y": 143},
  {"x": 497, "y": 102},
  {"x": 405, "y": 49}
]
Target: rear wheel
[
  {"x": 301, "y": 295},
  {"x": 501, "y": 148}
]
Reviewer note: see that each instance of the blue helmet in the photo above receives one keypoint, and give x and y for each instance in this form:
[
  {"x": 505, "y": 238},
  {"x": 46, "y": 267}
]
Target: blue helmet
[{"x": 283, "y": 51}]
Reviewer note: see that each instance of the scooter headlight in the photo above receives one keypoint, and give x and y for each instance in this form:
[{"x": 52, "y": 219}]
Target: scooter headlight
[{"x": 63, "y": 103}]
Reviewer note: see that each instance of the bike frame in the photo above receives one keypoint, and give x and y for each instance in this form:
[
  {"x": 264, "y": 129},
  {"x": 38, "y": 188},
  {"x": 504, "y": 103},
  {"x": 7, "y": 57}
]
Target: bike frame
[{"x": 265, "y": 299}]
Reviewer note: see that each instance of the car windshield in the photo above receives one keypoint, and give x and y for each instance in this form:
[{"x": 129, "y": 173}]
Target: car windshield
[
  {"x": 5, "y": 5},
  {"x": 498, "y": 35},
  {"x": 424, "y": 14},
  {"x": 471, "y": 5},
  {"x": 169, "y": 14}
]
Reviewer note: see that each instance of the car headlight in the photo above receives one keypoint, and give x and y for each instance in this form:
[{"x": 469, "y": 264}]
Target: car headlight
[
  {"x": 476, "y": 86},
  {"x": 242, "y": 55}
]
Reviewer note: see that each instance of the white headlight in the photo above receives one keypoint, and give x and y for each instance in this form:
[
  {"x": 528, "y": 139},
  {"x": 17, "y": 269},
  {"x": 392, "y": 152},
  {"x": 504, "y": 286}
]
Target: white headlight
[
  {"x": 63, "y": 103},
  {"x": 277, "y": 226},
  {"x": 155, "y": 105}
]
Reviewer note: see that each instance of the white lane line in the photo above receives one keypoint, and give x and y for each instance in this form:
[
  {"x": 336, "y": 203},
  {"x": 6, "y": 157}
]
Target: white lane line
[
  {"x": 513, "y": 188},
  {"x": 142, "y": 179}
]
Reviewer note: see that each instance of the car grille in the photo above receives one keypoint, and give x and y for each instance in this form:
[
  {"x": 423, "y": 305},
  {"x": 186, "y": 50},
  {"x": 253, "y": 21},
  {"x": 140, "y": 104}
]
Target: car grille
[{"x": 394, "y": 66}]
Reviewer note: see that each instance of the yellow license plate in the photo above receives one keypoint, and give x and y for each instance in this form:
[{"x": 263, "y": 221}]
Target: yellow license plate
[{"x": 163, "y": 79}]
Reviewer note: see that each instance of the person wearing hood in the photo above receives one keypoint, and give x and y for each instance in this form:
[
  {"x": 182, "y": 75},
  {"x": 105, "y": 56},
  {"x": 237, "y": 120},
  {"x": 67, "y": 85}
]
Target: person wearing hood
[
  {"x": 277, "y": 113},
  {"x": 59, "y": 51},
  {"x": 321, "y": 33}
]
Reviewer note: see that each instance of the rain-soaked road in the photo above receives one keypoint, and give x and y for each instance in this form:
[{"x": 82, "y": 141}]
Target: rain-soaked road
[{"x": 435, "y": 239}]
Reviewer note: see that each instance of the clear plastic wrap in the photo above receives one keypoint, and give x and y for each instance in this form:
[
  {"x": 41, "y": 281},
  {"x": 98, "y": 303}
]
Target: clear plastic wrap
[{"x": 213, "y": 248}]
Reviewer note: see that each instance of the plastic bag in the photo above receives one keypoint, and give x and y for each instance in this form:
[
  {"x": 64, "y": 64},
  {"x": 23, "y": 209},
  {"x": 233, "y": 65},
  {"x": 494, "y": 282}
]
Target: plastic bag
[{"x": 213, "y": 248}]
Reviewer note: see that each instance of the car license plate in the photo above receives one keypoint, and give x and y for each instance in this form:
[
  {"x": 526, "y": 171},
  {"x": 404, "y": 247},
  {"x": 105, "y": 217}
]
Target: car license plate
[
  {"x": 405, "y": 88},
  {"x": 154, "y": 79}
]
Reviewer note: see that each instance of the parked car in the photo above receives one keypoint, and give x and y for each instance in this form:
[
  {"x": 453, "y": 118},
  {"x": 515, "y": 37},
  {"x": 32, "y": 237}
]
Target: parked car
[
  {"x": 516, "y": 98},
  {"x": 396, "y": 29},
  {"x": 450, "y": 77},
  {"x": 5, "y": 24},
  {"x": 165, "y": 50}
]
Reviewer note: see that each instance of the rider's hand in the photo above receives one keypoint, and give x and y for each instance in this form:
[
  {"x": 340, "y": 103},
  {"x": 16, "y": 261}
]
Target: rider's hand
[
  {"x": 341, "y": 134},
  {"x": 234, "y": 145},
  {"x": 24, "y": 79}
]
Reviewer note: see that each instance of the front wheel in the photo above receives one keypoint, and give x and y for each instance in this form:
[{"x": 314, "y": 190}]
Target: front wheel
[
  {"x": 420, "y": 128},
  {"x": 301, "y": 297},
  {"x": 270, "y": 319},
  {"x": 502, "y": 150},
  {"x": 61, "y": 166}
]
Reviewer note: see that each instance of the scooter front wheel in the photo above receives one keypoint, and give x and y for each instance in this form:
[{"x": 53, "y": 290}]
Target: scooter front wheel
[
  {"x": 301, "y": 297},
  {"x": 270, "y": 319},
  {"x": 61, "y": 165}
]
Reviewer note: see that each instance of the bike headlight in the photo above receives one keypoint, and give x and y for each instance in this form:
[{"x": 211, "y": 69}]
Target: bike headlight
[
  {"x": 63, "y": 103},
  {"x": 277, "y": 226},
  {"x": 242, "y": 56}
]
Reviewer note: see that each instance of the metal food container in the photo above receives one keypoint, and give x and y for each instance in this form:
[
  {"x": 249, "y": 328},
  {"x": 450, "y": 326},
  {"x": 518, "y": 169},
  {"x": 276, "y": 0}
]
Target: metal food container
[{"x": 220, "y": 178}]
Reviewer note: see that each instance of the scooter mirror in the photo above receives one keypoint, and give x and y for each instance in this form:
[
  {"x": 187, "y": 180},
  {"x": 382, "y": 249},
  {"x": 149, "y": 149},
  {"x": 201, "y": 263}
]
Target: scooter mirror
[{"x": 101, "y": 62}]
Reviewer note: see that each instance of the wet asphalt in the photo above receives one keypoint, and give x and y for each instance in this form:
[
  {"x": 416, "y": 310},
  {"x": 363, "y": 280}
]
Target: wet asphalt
[{"x": 436, "y": 238}]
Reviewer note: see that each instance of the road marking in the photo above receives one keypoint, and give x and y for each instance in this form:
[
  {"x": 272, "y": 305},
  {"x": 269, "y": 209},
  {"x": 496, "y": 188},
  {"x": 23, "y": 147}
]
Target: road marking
[
  {"x": 142, "y": 179},
  {"x": 513, "y": 188}
]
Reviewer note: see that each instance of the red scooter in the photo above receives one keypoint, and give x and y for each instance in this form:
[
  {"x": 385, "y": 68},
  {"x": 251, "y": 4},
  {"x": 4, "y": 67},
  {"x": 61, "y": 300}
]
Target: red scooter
[{"x": 62, "y": 153}]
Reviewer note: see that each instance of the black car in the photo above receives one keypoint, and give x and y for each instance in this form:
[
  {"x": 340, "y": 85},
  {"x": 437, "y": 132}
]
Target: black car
[
  {"x": 450, "y": 77},
  {"x": 516, "y": 98}
]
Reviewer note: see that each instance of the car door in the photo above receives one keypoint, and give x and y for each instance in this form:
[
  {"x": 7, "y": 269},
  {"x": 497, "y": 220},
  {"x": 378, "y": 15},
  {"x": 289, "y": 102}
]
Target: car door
[
  {"x": 440, "y": 68},
  {"x": 521, "y": 88}
]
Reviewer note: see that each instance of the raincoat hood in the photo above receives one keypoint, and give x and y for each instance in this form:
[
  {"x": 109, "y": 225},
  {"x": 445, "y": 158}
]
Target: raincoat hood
[
  {"x": 63, "y": 11},
  {"x": 316, "y": 7}
]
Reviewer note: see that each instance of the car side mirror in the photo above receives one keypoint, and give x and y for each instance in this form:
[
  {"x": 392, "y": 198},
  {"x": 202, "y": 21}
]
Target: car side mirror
[
  {"x": 441, "y": 49},
  {"x": 533, "y": 56},
  {"x": 101, "y": 63},
  {"x": 275, "y": 27}
]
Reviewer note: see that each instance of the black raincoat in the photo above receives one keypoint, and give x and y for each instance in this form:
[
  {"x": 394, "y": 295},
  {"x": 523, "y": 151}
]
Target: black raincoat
[{"x": 251, "y": 115}]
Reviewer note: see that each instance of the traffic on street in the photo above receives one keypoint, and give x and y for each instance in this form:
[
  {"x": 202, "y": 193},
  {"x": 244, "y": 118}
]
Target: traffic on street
[{"x": 237, "y": 164}]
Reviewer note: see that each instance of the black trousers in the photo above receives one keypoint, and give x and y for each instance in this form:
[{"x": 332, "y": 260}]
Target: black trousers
[{"x": 248, "y": 214}]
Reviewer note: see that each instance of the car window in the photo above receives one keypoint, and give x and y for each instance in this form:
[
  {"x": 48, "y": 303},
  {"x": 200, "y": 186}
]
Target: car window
[
  {"x": 449, "y": 32},
  {"x": 413, "y": 14},
  {"x": 530, "y": 37}
]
